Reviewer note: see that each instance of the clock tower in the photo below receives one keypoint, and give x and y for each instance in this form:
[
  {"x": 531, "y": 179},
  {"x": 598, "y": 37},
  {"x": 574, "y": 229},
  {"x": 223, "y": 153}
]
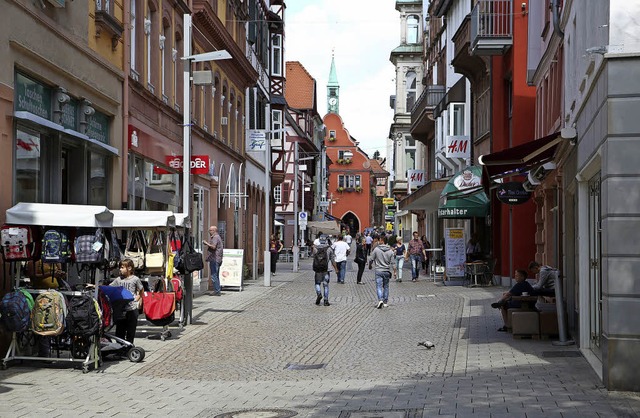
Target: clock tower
[{"x": 333, "y": 89}]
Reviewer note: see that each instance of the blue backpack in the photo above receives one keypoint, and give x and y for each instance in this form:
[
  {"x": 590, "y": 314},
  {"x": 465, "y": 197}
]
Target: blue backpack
[
  {"x": 55, "y": 246},
  {"x": 15, "y": 310}
]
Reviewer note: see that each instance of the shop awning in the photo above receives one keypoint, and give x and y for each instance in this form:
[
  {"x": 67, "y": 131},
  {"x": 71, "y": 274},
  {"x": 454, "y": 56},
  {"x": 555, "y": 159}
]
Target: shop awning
[
  {"x": 326, "y": 227},
  {"x": 24, "y": 115},
  {"x": 51, "y": 214},
  {"x": 463, "y": 195},
  {"x": 525, "y": 157}
]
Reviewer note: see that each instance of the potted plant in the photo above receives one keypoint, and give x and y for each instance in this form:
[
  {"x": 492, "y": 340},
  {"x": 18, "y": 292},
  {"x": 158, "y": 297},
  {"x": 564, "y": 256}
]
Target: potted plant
[
  {"x": 340, "y": 189},
  {"x": 340, "y": 161},
  {"x": 347, "y": 160},
  {"x": 332, "y": 139},
  {"x": 358, "y": 189}
]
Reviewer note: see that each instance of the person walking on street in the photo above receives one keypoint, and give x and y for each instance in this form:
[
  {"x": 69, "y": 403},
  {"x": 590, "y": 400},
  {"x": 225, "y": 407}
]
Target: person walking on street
[
  {"x": 214, "y": 257},
  {"x": 416, "y": 254},
  {"x": 361, "y": 258},
  {"x": 383, "y": 259},
  {"x": 275, "y": 246},
  {"x": 323, "y": 259},
  {"x": 341, "y": 250},
  {"x": 427, "y": 246},
  {"x": 401, "y": 254},
  {"x": 368, "y": 241}
]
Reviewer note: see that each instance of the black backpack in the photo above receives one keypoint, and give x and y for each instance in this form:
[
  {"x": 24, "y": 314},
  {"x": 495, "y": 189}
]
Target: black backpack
[
  {"x": 83, "y": 318},
  {"x": 321, "y": 260}
]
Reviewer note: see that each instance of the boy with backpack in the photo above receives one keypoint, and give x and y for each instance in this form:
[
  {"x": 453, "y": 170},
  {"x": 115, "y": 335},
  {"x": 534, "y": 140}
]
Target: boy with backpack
[{"x": 323, "y": 256}]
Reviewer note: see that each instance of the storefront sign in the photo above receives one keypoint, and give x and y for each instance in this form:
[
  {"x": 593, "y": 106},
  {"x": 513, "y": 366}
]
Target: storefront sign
[
  {"x": 232, "y": 267},
  {"x": 98, "y": 127},
  {"x": 455, "y": 254},
  {"x": 199, "y": 163},
  {"x": 458, "y": 146},
  {"x": 257, "y": 140},
  {"x": 388, "y": 201},
  {"x": 512, "y": 193},
  {"x": 69, "y": 115},
  {"x": 415, "y": 178},
  {"x": 33, "y": 97}
]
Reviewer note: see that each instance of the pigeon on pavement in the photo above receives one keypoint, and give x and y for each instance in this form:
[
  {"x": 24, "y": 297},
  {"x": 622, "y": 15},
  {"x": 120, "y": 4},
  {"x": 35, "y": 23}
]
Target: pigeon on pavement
[{"x": 427, "y": 344}]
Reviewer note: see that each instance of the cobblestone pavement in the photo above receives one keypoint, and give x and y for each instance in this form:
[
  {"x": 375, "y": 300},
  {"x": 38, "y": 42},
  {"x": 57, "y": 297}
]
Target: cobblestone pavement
[{"x": 273, "y": 350}]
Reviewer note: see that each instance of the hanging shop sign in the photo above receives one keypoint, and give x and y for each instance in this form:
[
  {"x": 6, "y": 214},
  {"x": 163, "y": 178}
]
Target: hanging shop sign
[
  {"x": 388, "y": 201},
  {"x": 199, "y": 163},
  {"x": 458, "y": 146},
  {"x": 512, "y": 193},
  {"x": 257, "y": 140},
  {"x": 415, "y": 178}
]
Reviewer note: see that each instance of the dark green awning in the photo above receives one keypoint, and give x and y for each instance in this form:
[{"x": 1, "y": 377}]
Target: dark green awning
[{"x": 463, "y": 195}]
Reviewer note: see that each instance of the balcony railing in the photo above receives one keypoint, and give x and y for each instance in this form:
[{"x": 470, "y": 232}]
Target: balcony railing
[
  {"x": 491, "y": 27},
  {"x": 430, "y": 97}
]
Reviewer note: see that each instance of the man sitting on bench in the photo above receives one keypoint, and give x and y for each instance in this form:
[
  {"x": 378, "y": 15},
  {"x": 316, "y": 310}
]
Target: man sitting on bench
[
  {"x": 545, "y": 285},
  {"x": 505, "y": 302}
]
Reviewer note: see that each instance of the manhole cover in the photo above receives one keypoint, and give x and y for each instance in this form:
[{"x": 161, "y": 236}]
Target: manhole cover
[
  {"x": 291, "y": 366},
  {"x": 561, "y": 354},
  {"x": 259, "y": 413}
]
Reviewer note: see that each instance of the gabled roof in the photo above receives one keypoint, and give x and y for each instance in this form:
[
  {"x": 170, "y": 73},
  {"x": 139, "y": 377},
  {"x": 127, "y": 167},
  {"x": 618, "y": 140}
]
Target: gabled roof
[
  {"x": 300, "y": 87},
  {"x": 377, "y": 169}
]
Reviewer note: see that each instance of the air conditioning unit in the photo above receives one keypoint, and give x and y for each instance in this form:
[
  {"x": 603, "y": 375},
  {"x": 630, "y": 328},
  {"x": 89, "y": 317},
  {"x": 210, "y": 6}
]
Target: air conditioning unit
[{"x": 224, "y": 120}]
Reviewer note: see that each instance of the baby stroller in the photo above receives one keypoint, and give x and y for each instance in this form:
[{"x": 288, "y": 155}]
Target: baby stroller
[{"x": 112, "y": 300}]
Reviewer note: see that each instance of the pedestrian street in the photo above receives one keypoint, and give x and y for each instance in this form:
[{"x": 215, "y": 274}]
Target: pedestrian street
[{"x": 271, "y": 352}]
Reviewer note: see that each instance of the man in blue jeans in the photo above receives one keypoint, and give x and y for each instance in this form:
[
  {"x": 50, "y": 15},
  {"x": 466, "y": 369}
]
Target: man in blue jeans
[
  {"x": 323, "y": 259},
  {"x": 214, "y": 257},
  {"x": 383, "y": 258},
  {"x": 417, "y": 253}
]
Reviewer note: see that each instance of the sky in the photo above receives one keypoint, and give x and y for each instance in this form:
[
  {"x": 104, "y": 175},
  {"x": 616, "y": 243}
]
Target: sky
[{"x": 361, "y": 35}]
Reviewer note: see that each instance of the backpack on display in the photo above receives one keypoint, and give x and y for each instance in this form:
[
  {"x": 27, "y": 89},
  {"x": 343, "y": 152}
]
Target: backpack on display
[
  {"x": 84, "y": 317},
  {"x": 112, "y": 249},
  {"x": 55, "y": 246},
  {"x": 105, "y": 308},
  {"x": 48, "y": 314},
  {"x": 321, "y": 260},
  {"x": 15, "y": 309},
  {"x": 89, "y": 247},
  {"x": 17, "y": 243}
]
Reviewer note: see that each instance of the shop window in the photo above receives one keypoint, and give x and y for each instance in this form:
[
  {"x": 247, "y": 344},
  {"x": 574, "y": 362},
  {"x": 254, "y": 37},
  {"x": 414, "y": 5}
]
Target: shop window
[
  {"x": 152, "y": 187},
  {"x": 28, "y": 186},
  {"x": 97, "y": 187}
]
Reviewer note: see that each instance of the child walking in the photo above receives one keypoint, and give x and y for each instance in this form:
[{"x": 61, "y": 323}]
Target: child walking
[{"x": 127, "y": 323}]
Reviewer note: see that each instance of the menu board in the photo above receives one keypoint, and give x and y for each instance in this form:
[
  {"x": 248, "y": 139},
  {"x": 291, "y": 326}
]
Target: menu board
[
  {"x": 455, "y": 254},
  {"x": 231, "y": 268}
]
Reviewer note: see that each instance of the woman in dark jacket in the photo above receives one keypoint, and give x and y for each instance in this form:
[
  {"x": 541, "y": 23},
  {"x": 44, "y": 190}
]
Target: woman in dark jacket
[{"x": 361, "y": 258}]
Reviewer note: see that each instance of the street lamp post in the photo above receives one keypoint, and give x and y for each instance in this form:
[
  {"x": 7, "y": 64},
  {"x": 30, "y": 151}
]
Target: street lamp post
[{"x": 186, "y": 137}]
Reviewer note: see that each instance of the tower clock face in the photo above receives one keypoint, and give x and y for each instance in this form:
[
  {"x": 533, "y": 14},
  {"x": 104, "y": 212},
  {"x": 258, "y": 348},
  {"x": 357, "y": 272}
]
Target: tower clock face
[{"x": 333, "y": 101}]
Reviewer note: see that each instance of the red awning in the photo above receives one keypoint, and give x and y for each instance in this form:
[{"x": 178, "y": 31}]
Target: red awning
[{"x": 521, "y": 158}]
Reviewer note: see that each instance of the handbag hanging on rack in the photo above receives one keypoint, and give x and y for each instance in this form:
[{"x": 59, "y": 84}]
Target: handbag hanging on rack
[
  {"x": 159, "y": 307},
  {"x": 135, "y": 249},
  {"x": 154, "y": 259},
  {"x": 192, "y": 260}
]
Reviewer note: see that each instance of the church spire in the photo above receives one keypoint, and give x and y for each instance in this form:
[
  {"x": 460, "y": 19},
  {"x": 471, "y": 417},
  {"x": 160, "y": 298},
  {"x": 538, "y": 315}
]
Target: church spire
[{"x": 333, "y": 88}]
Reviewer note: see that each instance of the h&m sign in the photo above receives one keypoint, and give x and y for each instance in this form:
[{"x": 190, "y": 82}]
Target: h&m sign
[
  {"x": 415, "y": 178},
  {"x": 458, "y": 146}
]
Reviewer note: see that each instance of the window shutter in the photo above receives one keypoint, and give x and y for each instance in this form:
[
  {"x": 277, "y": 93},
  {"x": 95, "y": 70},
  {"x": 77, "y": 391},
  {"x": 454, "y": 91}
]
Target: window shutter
[
  {"x": 285, "y": 193},
  {"x": 252, "y": 22}
]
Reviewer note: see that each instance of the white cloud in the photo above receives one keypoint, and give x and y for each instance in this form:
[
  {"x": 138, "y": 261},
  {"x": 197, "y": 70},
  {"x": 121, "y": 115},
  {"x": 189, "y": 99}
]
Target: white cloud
[{"x": 362, "y": 38}]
